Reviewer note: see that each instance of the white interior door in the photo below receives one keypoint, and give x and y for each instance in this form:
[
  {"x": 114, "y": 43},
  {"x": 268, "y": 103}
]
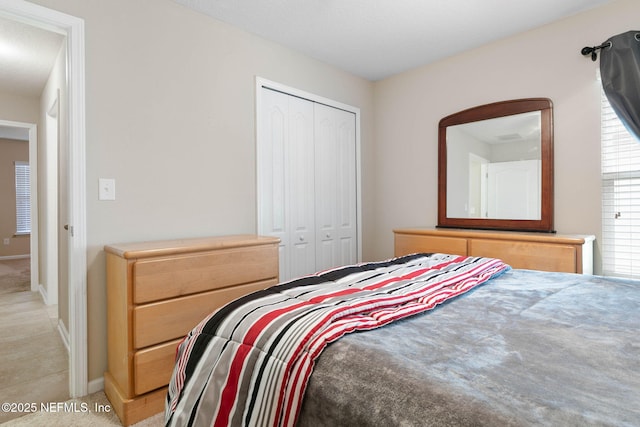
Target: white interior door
[
  {"x": 285, "y": 184},
  {"x": 271, "y": 151},
  {"x": 335, "y": 159},
  {"x": 300, "y": 180},
  {"x": 514, "y": 190},
  {"x": 51, "y": 224}
]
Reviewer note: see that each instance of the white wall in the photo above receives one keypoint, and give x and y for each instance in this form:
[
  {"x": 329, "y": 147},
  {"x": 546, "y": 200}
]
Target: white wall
[
  {"x": 545, "y": 62},
  {"x": 18, "y": 108}
]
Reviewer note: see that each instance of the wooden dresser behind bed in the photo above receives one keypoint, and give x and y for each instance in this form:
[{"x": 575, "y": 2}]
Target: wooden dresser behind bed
[
  {"x": 569, "y": 253},
  {"x": 156, "y": 293}
]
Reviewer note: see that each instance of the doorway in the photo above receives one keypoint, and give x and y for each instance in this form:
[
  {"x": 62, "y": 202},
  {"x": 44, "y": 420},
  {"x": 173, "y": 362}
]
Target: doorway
[{"x": 73, "y": 30}]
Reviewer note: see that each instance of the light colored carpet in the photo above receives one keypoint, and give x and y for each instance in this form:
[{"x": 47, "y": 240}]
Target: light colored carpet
[
  {"x": 33, "y": 359},
  {"x": 15, "y": 275},
  {"x": 91, "y": 410}
]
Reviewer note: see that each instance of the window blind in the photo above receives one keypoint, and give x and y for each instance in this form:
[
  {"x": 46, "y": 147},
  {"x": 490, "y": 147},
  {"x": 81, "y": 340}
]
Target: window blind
[
  {"x": 620, "y": 197},
  {"x": 23, "y": 198}
]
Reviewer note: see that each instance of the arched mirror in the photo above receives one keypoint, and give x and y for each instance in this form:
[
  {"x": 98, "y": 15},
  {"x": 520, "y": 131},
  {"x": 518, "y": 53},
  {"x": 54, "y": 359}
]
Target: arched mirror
[{"x": 495, "y": 167}]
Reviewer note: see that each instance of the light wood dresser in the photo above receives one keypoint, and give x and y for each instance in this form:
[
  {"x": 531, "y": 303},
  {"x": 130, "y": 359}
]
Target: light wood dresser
[
  {"x": 156, "y": 293},
  {"x": 534, "y": 251}
]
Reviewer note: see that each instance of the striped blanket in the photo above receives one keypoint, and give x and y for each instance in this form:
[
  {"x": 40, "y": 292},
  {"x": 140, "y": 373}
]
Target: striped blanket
[{"x": 249, "y": 362}]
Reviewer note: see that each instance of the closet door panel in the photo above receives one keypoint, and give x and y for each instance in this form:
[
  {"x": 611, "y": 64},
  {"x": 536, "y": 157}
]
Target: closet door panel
[
  {"x": 346, "y": 208},
  {"x": 326, "y": 185},
  {"x": 272, "y": 171},
  {"x": 335, "y": 179},
  {"x": 301, "y": 188},
  {"x": 286, "y": 205}
]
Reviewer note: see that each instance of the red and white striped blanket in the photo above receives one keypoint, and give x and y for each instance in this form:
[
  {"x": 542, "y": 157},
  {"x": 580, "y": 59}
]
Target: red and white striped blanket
[{"x": 249, "y": 362}]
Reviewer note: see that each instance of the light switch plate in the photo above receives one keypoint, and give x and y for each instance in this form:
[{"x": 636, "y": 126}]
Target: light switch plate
[{"x": 107, "y": 189}]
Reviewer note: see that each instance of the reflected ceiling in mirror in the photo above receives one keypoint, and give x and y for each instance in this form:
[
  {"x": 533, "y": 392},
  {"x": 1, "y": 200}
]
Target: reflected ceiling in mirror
[{"x": 496, "y": 167}]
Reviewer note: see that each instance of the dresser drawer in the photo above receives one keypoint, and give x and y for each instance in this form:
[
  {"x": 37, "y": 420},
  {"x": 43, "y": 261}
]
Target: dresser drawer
[
  {"x": 153, "y": 366},
  {"x": 155, "y": 279},
  {"x": 527, "y": 255},
  {"x": 409, "y": 244},
  {"x": 162, "y": 321}
]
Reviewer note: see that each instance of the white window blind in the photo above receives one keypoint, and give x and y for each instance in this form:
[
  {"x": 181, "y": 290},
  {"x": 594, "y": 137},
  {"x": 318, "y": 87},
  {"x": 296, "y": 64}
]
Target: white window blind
[
  {"x": 23, "y": 198},
  {"x": 620, "y": 197}
]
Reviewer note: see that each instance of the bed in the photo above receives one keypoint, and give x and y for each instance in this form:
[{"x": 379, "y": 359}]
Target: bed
[{"x": 453, "y": 341}]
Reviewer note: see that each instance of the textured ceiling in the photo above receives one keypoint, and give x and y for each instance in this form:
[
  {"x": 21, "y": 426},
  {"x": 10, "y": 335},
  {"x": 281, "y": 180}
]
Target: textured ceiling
[
  {"x": 378, "y": 38},
  {"x": 27, "y": 55},
  {"x": 370, "y": 38}
]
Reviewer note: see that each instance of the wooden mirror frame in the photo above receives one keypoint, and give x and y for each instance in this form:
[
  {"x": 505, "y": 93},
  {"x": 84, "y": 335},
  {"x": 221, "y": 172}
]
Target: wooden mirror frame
[{"x": 490, "y": 111}]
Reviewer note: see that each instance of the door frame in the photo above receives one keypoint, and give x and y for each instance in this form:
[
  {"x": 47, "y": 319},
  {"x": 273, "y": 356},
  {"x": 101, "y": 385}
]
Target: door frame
[
  {"x": 73, "y": 28},
  {"x": 32, "y": 128},
  {"x": 264, "y": 83}
]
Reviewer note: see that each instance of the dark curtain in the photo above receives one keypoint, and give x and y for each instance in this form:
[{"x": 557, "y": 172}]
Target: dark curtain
[{"x": 620, "y": 73}]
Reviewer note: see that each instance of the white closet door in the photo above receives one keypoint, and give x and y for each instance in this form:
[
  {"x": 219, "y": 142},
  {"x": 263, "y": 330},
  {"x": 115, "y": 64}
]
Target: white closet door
[
  {"x": 285, "y": 180},
  {"x": 301, "y": 188},
  {"x": 335, "y": 187},
  {"x": 272, "y": 158},
  {"x": 307, "y": 182}
]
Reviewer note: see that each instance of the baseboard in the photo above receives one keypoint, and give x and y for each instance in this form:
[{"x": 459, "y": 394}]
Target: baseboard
[
  {"x": 95, "y": 385},
  {"x": 64, "y": 334},
  {"x": 43, "y": 294},
  {"x": 8, "y": 257}
]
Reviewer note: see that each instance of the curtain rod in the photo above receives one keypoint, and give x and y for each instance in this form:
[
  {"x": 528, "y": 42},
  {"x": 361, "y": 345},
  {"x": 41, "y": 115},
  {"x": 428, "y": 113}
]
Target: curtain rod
[{"x": 586, "y": 51}]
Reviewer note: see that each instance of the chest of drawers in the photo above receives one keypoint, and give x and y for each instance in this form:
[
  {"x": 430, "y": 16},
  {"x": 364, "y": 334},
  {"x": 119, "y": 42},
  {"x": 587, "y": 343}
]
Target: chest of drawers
[
  {"x": 156, "y": 293},
  {"x": 535, "y": 251}
]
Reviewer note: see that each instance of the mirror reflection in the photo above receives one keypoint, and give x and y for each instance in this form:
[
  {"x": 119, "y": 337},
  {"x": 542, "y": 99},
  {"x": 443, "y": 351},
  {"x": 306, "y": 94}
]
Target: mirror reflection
[{"x": 494, "y": 168}]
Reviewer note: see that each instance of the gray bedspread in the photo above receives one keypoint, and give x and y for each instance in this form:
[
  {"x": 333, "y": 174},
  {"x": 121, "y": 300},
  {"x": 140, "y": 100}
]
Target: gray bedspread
[{"x": 527, "y": 348}]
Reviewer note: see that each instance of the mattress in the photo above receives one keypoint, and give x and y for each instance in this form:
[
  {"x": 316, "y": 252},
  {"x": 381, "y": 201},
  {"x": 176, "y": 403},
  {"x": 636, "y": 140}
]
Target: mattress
[
  {"x": 499, "y": 347},
  {"x": 527, "y": 348}
]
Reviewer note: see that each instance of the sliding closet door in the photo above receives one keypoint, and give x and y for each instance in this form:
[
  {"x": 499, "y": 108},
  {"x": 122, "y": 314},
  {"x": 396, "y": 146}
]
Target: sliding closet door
[
  {"x": 285, "y": 180},
  {"x": 307, "y": 181},
  {"x": 302, "y": 248},
  {"x": 335, "y": 178}
]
